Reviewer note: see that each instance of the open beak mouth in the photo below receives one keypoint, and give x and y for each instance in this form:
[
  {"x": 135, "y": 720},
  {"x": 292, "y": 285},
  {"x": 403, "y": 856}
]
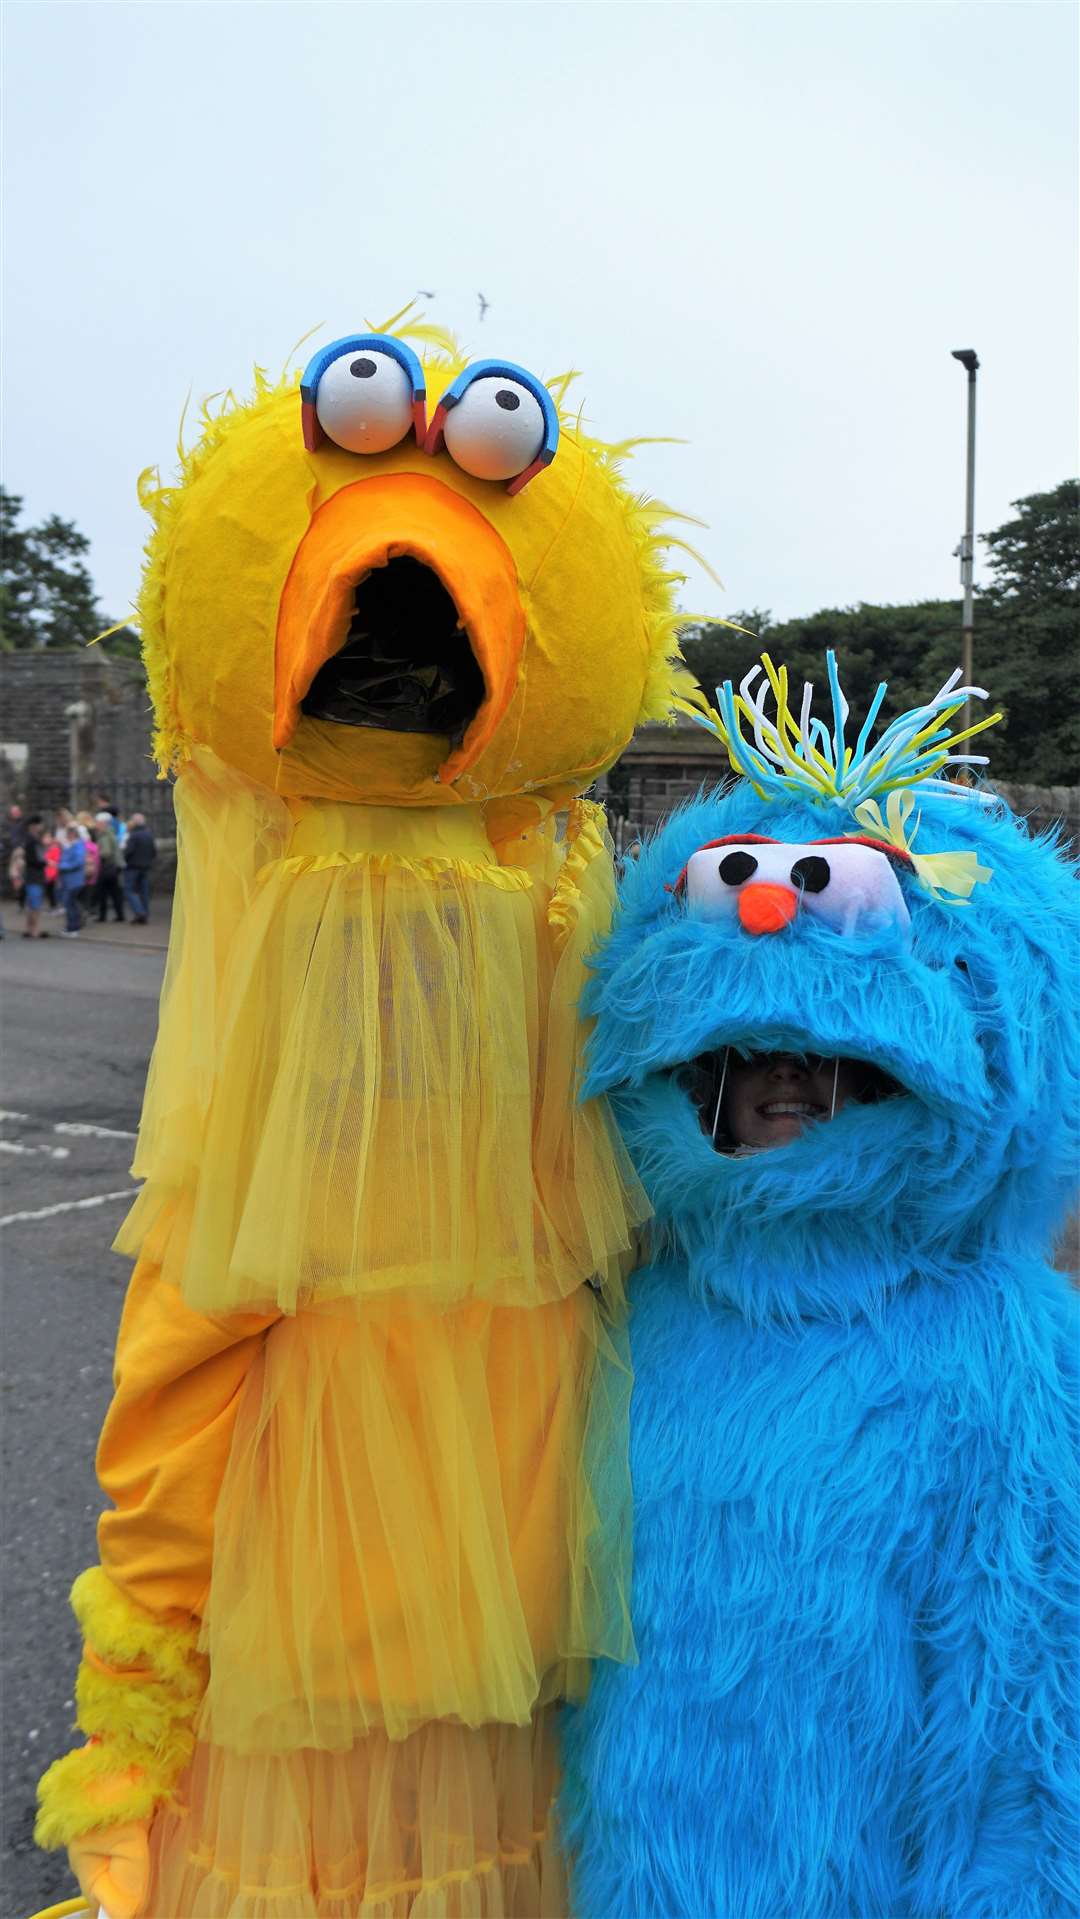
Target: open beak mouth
[
  {"x": 406, "y": 663},
  {"x": 781, "y": 1115},
  {"x": 401, "y": 611}
]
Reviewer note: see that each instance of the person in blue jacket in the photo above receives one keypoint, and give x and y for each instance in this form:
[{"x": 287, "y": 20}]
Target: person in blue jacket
[
  {"x": 838, "y": 1017},
  {"x": 72, "y": 880}
]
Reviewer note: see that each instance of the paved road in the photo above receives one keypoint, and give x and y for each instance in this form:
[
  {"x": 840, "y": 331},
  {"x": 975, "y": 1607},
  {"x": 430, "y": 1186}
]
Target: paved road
[{"x": 78, "y": 1025}]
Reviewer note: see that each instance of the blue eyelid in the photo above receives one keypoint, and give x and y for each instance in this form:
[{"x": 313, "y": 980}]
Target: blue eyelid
[
  {"x": 507, "y": 370},
  {"x": 356, "y": 343},
  {"x": 360, "y": 343}
]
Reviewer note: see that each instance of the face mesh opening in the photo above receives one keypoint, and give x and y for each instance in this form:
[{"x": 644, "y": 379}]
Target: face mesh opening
[{"x": 406, "y": 665}]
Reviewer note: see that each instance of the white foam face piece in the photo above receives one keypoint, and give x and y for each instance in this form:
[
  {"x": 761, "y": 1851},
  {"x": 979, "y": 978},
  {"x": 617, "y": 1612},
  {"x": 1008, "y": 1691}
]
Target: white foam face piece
[
  {"x": 364, "y": 402},
  {"x": 847, "y": 886},
  {"x": 496, "y": 429}
]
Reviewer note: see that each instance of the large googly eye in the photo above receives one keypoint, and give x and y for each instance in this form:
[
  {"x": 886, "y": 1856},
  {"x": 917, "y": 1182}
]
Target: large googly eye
[
  {"x": 363, "y": 393},
  {"x": 848, "y": 884},
  {"x": 364, "y": 402},
  {"x": 734, "y": 868},
  {"x": 812, "y": 874},
  {"x": 497, "y": 423},
  {"x": 495, "y": 431}
]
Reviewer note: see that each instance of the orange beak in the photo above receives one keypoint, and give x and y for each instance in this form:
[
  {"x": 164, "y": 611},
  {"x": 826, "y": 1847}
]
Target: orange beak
[
  {"x": 765, "y": 907},
  {"x": 366, "y": 525}
]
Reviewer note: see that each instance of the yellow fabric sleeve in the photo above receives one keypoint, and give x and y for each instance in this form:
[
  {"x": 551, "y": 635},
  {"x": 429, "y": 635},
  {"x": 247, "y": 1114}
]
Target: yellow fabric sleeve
[
  {"x": 161, "y": 1459},
  {"x": 166, "y": 1441}
]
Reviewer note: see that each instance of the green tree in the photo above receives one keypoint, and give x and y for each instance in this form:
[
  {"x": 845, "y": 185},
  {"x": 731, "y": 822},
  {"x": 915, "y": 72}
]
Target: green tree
[
  {"x": 47, "y": 596},
  {"x": 1025, "y": 645},
  {"x": 1037, "y": 555},
  {"x": 1032, "y": 613}
]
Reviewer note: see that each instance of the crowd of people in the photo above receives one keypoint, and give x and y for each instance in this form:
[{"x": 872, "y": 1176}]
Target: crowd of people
[{"x": 76, "y": 865}]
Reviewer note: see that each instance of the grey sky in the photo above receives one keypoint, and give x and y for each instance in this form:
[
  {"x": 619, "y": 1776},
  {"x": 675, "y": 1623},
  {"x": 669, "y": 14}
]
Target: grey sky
[{"x": 760, "y": 227}]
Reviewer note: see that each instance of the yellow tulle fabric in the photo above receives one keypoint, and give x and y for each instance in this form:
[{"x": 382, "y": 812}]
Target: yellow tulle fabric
[
  {"x": 363, "y": 1114},
  {"x": 449, "y": 1824},
  {"x": 366, "y": 1073},
  {"x": 409, "y": 1528},
  {"x": 421, "y": 1540}
]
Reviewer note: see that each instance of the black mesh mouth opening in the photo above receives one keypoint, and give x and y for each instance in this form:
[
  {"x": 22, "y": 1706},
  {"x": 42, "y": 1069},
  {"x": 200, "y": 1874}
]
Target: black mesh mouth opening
[
  {"x": 406, "y": 664},
  {"x": 703, "y": 1077}
]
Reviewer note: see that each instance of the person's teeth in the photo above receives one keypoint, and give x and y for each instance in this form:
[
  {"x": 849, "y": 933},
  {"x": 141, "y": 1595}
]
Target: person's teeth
[{"x": 802, "y": 1108}]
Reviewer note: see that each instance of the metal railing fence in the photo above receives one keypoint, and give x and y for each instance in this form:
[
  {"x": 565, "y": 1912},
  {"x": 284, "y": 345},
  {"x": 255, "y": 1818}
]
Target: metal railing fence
[{"x": 152, "y": 797}]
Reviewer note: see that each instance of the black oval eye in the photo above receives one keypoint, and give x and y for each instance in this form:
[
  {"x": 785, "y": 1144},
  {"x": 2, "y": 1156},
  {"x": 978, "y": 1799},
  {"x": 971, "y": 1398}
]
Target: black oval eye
[
  {"x": 736, "y": 867},
  {"x": 507, "y": 400},
  {"x": 362, "y": 369},
  {"x": 812, "y": 874}
]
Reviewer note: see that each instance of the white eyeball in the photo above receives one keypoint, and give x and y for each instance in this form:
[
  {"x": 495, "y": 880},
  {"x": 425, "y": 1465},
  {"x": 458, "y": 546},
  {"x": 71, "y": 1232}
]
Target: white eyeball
[
  {"x": 496, "y": 429},
  {"x": 364, "y": 402}
]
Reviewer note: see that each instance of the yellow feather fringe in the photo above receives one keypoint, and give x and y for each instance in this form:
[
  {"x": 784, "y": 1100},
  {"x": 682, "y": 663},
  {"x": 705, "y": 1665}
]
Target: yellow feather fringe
[
  {"x": 87, "y": 1789},
  {"x": 124, "y": 1635},
  {"x": 138, "y": 1692}
]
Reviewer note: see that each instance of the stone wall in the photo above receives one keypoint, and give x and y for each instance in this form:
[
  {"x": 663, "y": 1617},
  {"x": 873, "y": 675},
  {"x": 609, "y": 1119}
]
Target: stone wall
[{"x": 73, "y": 725}]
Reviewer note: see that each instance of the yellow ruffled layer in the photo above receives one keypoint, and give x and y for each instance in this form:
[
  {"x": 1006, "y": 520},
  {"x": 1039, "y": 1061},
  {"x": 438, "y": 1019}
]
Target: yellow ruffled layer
[
  {"x": 408, "y": 1529},
  {"x": 365, "y": 1078},
  {"x": 449, "y": 1824}
]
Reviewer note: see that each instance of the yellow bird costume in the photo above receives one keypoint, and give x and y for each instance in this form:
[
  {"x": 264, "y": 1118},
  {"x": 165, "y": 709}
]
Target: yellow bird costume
[{"x": 370, "y": 1350}]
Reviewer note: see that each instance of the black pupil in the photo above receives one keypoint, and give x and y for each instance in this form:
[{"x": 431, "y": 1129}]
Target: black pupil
[
  {"x": 737, "y": 867},
  {"x": 811, "y": 874},
  {"x": 509, "y": 401},
  {"x": 363, "y": 369}
]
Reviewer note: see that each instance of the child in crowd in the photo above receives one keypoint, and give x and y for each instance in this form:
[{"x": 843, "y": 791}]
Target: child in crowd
[
  {"x": 85, "y": 824},
  {"x": 52, "y": 847}
]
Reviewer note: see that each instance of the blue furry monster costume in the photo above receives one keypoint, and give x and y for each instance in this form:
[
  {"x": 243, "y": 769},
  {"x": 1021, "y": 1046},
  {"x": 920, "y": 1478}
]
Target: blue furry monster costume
[{"x": 853, "y": 1420}]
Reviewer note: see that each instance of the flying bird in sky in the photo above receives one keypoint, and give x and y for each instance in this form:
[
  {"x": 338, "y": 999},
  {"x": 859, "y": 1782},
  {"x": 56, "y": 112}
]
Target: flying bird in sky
[{"x": 484, "y": 304}]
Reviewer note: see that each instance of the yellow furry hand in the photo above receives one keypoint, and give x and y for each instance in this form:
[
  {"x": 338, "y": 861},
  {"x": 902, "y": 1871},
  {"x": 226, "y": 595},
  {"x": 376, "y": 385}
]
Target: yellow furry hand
[
  {"x": 139, "y": 1688},
  {"x": 112, "y": 1866}
]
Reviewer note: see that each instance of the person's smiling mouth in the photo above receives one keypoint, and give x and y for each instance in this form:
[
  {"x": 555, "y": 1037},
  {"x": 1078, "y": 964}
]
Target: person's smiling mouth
[
  {"x": 795, "y": 1108},
  {"x": 783, "y": 1117}
]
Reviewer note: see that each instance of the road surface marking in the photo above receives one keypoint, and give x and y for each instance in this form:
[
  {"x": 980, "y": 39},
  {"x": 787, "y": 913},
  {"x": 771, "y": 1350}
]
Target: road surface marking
[
  {"x": 18, "y": 1146},
  {"x": 80, "y": 1129},
  {"x": 69, "y": 1206}
]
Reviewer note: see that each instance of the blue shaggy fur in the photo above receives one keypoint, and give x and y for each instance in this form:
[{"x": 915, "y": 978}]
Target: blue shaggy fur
[{"x": 854, "y": 1411}]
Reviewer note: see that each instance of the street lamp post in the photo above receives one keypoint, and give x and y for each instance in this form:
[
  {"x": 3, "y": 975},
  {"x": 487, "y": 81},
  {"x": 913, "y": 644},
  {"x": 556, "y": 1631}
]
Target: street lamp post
[{"x": 968, "y": 359}]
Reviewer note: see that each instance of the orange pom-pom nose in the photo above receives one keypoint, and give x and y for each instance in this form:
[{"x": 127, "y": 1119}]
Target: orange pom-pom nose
[{"x": 765, "y": 907}]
